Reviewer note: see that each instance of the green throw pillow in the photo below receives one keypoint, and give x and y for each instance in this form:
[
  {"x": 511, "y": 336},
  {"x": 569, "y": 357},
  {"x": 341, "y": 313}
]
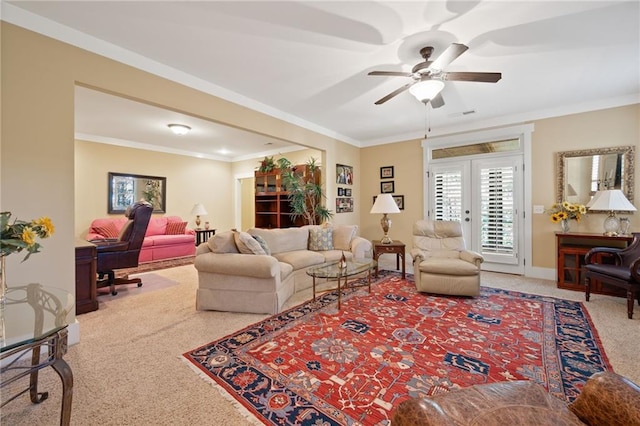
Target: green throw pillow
[{"x": 321, "y": 239}]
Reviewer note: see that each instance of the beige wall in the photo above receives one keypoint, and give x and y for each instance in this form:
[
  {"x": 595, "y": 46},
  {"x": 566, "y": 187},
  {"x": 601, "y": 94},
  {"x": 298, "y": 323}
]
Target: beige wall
[
  {"x": 406, "y": 159},
  {"x": 597, "y": 129},
  {"x": 37, "y": 173},
  {"x": 190, "y": 180},
  {"x": 604, "y": 128}
]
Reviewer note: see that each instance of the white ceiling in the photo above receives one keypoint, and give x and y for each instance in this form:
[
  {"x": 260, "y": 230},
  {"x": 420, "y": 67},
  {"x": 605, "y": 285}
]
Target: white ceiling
[{"x": 307, "y": 62}]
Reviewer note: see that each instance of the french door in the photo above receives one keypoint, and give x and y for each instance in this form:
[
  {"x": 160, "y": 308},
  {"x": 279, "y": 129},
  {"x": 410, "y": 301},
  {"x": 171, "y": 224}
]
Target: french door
[{"x": 485, "y": 195}]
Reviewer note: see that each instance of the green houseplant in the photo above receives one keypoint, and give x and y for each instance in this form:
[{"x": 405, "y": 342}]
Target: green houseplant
[{"x": 305, "y": 191}]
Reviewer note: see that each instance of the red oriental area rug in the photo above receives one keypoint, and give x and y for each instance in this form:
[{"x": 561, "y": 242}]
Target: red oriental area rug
[{"x": 315, "y": 365}]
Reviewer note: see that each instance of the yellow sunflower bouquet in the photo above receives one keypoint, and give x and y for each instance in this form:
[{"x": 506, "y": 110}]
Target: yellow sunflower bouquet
[
  {"x": 21, "y": 235},
  {"x": 565, "y": 211}
]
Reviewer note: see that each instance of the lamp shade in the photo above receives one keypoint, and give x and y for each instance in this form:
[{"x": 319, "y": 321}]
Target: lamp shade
[
  {"x": 426, "y": 90},
  {"x": 385, "y": 204},
  {"x": 199, "y": 210},
  {"x": 610, "y": 200}
]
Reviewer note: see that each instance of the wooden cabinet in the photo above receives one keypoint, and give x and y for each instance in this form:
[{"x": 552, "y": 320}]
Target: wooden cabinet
[
  {"x": 571, "y": 250},
  {"x": 86, "y": 293},
  {"x": 272, "y": 209}
]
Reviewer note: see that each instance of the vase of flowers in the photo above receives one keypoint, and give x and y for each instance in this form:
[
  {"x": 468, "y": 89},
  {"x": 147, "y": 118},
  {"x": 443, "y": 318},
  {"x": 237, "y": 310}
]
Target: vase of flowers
[
  {"x": 16, "y": 237},
  {"x": 563, "y": 212}
]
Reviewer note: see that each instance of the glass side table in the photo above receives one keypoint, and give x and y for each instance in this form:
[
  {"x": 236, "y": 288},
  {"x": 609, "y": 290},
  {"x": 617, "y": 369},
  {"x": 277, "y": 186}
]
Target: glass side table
[{"x": 36, "y": 316}]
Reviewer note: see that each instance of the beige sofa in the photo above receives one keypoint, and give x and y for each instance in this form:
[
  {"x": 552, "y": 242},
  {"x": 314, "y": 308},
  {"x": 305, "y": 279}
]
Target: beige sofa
[{"x": 258, "y": 270}]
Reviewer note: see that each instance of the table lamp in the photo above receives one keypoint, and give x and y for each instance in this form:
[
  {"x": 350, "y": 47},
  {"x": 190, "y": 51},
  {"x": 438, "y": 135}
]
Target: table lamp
[
  {"x": 385, "y": 204},
  {"x": 198, "y": 210},
  {"x": 611, "y": 200}
]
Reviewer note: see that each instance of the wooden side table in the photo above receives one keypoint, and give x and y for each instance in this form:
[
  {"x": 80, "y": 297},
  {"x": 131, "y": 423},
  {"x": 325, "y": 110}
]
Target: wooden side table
[
  {"x": 202, "y": 235},
  {"x": 396, "y": 247},
  {"x": 571, "y": 248}
]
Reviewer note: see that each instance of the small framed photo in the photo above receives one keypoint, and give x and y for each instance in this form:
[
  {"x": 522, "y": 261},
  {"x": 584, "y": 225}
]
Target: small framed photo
[
  {"x": 344, "y": 205},
  {"x": 387, "y": 187},
  {"x": 347, "y": 192},
  {"x": 344, "y": 174},
  {"x": 399, "y": 199},
  {"x": 340, "y": 192},
  {"x": 386, "y": 172}
]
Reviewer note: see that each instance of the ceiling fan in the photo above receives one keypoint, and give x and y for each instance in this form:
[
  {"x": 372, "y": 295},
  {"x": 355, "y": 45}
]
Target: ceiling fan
[{"x": 428, "y": 76}]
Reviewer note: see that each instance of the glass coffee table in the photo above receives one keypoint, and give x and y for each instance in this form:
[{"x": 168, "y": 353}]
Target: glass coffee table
[{"x": 332, "y": 270}]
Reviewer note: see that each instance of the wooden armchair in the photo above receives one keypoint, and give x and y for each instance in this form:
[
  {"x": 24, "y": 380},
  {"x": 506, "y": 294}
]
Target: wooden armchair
[{"x": 625, "y": 272}]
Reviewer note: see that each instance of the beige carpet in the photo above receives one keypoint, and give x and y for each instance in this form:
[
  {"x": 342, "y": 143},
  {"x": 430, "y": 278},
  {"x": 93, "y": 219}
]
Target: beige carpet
[{"x": 128, "y": 368}]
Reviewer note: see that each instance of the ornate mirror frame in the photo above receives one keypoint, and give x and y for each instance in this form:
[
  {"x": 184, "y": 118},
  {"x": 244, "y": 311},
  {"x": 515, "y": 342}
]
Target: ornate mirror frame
[{"x": 627, "y": 168}]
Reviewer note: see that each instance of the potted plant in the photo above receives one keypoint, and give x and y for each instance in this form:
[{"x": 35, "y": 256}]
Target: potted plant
[
  {"x": 305, "y": 191},
  {"x": 267, "y": 165}
]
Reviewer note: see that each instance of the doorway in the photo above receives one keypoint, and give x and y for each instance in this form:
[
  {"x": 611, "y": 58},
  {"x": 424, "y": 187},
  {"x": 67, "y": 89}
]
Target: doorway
[{"x": 484, "y": 193}]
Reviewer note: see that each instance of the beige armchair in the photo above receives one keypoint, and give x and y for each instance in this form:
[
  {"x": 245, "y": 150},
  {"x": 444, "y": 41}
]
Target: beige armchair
[{"x": 441, "y": 263}]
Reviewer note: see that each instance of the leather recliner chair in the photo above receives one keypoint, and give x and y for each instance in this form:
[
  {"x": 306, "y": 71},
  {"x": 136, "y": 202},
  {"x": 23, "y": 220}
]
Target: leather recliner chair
[
  {"x": 441, "y": 262},
  {"x": 125, "y": 250}
]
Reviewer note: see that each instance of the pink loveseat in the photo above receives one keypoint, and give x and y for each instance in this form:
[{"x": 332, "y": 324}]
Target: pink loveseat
[{"x": 157, "y": 243}]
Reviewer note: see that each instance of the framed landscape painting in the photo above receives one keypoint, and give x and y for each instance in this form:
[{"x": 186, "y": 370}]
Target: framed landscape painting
[
  {"x": 386, "y": 172},
  {"x": 387, "y": 187}
]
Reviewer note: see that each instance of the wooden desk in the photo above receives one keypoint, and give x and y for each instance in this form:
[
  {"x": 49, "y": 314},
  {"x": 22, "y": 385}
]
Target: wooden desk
[
  {"x": 86, "y": 270},
  {"x": 571, "y": 249},
  {"x": 396, "y": 247}
]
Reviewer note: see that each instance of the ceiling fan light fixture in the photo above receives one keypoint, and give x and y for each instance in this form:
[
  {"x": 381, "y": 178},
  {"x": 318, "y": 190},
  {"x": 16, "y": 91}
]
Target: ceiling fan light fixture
[
  {"x": 426, "y": 90},
  {"x": 179, "y": 129}
]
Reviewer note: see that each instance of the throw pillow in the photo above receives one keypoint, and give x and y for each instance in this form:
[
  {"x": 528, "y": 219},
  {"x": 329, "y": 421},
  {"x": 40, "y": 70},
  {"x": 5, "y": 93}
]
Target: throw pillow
[
  {"x": 246, "y": 244},
  {"x": 176, "y": 228},
  {"x": 262, "y": 243},
  {"x": 342, "y": 236},
  {"x": 222, "y": 242},
  {"x": 321, "y": 239},
  {"x": 107, "y": 231}
]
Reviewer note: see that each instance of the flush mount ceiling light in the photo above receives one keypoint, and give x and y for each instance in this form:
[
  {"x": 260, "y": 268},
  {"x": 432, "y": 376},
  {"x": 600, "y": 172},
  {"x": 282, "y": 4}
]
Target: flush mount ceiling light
[
  {"x": 426, "y": 90},
  {"x": 179, "y": 129}
]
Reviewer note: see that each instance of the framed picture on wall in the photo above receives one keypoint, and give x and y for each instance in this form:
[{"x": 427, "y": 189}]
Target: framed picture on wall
[
  {"x": 340, "y": 192},
  {"x": 347, "y": 192},
  {"x": 387, "y": 187},
  {"x": 386, "y": 172},
  {"x": 344, "y": 174},
  {"x": 344, "y": 205},
  {"x": 399, "y": 199}
]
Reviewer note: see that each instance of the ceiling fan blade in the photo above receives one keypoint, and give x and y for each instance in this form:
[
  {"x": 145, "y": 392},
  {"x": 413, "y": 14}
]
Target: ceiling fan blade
[
  {"x": 394, "y": 93},
  {"x": 483, "y": 77},
  {"x": 448, "y": 56},
  {"x": 437, "y": 102},
  {"x": 391, "y": 73}
]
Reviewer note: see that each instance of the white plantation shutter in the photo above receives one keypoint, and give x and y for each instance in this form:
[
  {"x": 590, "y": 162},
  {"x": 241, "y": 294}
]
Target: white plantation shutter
[
  {"x": 497, "y": 209},
  {"x": 447, "y": 191}
]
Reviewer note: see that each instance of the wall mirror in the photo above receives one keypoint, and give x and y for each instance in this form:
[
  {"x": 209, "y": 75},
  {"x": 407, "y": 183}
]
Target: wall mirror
[
  {"x": 582, "y": 173},
  {"x": 125, "y": 189}
]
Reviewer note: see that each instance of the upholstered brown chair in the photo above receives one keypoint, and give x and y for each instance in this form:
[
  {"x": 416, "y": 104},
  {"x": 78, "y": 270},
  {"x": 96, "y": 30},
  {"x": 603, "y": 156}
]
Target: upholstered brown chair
[
  {"x": 125, "y": 250},
  {"x": 606, "y": 399},
  {"x": 441, "y": 262},
  {"x": 623, "y": 270}
]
